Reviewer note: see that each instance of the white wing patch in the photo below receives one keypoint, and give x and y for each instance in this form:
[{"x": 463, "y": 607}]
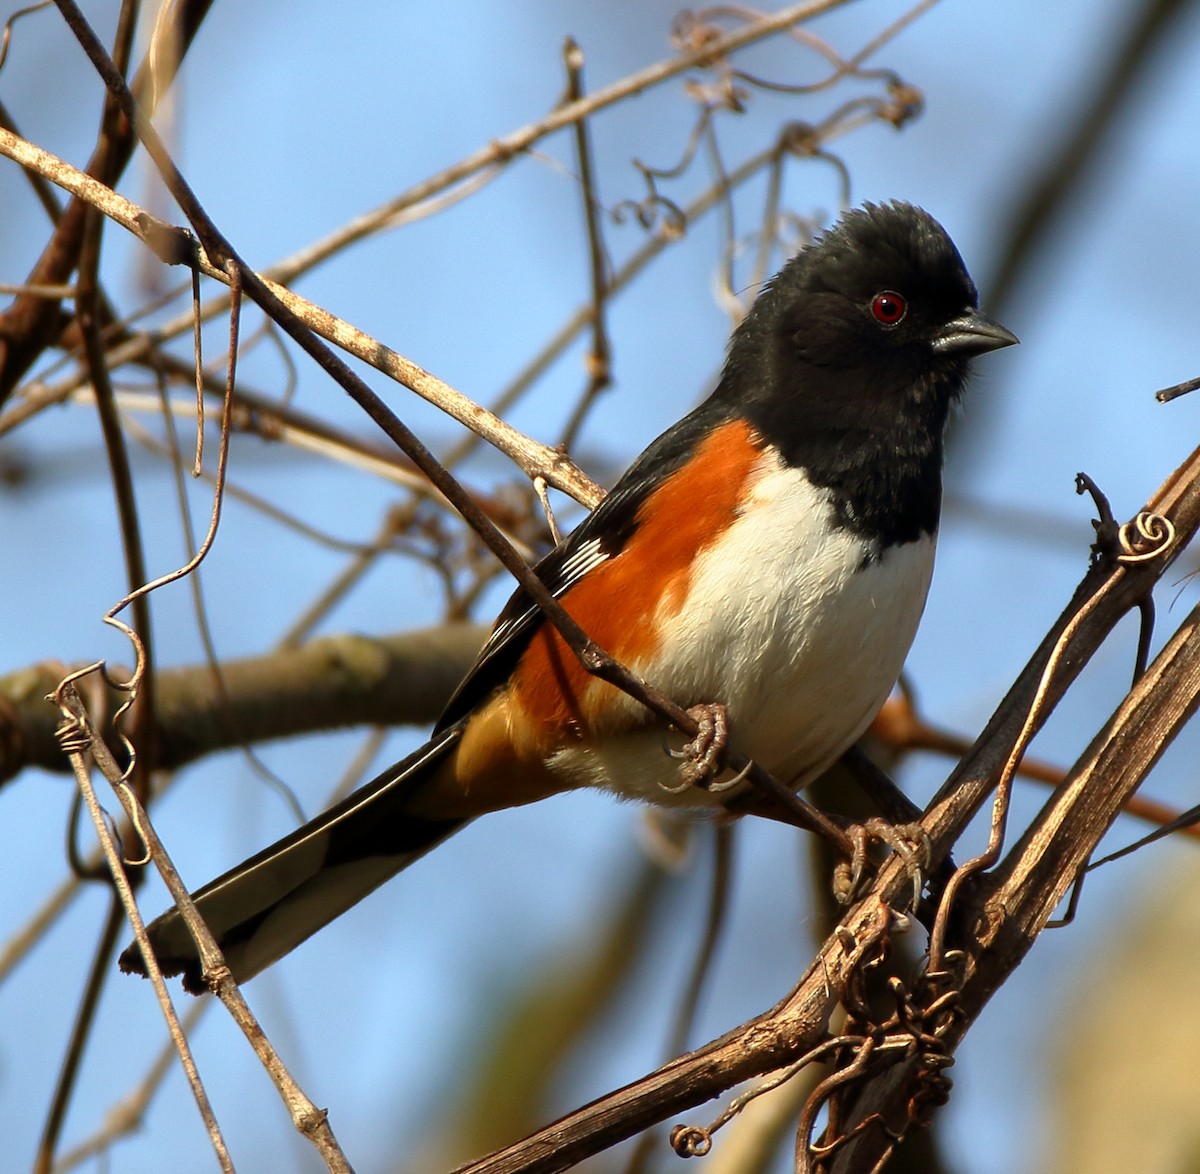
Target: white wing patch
[{"x": 588, "y": 557}]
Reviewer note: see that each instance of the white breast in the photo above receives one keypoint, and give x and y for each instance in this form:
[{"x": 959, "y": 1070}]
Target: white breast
[{"x": 789, "y": 624}]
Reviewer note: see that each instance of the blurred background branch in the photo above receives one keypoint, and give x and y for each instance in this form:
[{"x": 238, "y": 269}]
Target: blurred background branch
[{"x": 532, "y": 966}]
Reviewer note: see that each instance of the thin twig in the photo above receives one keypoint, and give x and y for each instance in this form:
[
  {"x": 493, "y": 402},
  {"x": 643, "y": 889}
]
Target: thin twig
[
  {"x": 308, "y": 1119},
  {"x": 127, "y": 1117},
  {"x": 123, "y": 490},
  {"x": 80, "y": 736},
  {"x": 581, "y": 319},
  {"x": 98, "y": 974},
  {"x": 88, "y": 307},
  {"x": 29, "y": 325},
  {"x": 502, "y": 149},
  {"x": 1167, "y": 394},
  {"x": 902, "y": 730},
  {"x": 533, "y": 458},
  {"x": 228, "y": 715},
  {"x": 599, "y": 359},
  {"x": 254, "y": 413}
]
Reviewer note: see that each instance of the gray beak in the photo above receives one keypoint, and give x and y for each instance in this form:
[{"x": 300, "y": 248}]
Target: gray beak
[{"x": 970, "y": 334}]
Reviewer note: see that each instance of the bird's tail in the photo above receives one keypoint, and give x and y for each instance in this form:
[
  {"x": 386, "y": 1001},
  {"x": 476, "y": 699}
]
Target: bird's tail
[{"x": 269, "y": 904}]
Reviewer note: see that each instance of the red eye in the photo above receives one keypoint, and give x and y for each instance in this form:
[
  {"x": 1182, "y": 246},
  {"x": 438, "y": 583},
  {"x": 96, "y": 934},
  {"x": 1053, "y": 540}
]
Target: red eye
[{"x": 888, "y": 307}]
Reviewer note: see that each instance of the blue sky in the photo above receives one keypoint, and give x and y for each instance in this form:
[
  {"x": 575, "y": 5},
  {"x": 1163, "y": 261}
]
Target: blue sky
[{"x": 290, "y": 122}]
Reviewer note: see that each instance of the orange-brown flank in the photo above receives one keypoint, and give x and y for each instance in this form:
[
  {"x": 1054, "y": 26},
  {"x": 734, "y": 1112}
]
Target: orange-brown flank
[
  {"x": 617, "y": 603},
  {"x": 551, "y": 701}
]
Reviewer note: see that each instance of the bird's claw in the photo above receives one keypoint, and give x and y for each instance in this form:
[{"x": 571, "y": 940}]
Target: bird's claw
[
  {"x": 701, "y": 757},
  {"x": 909, "y": 841}
]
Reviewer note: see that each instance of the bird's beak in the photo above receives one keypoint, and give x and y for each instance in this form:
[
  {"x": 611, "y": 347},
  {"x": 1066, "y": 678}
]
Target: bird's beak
[{"x": 970, "y": 334}]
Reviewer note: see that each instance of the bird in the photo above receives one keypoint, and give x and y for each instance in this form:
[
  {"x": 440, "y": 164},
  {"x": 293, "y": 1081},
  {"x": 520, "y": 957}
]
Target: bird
[{"x": 764, "y": 563}]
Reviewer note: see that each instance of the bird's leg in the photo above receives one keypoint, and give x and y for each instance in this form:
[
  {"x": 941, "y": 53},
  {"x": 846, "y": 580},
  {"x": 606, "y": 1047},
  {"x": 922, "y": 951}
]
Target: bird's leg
[{"x": 702, "y": 755}]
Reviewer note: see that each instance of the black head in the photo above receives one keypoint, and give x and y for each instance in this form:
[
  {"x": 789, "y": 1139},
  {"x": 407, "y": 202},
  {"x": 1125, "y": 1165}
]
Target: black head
[
  {"x": 884, "y": 291},
  {"x": 854, "y": 352}
]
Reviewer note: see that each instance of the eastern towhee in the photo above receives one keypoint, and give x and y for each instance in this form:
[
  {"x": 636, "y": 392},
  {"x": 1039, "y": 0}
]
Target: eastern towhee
[{"x": 767, "y": 556}]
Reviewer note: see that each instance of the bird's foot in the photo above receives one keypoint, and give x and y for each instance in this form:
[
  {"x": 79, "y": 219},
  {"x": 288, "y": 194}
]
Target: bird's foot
[
  {"x": 701, "y": 757},
  {"x": 909, "y": 841}
]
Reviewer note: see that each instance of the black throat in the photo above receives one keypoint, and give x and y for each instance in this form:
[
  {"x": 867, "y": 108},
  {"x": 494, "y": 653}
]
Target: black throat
[{"x": 878, "y": 452}]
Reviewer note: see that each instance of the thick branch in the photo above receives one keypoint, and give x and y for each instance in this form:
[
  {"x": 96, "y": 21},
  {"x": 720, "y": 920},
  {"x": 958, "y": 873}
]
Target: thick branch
[
  {"x": 801, "y": 1022},
  {"x": 1008, "y": 911},
  {"x": 764, "y": 1044},
  {"x": 329, "y": 683}
]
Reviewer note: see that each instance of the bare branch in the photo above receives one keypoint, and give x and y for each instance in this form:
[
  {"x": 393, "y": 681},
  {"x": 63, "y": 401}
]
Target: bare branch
[
  {"x": 326, "y": 684},
  {"x": 308, "y": 1119},
  {"x": 78, "y": 737},
  {"x": 30, "y": 324},
  {"x": 532, "y": 458},
  {"x": 801, "y": 1022}
]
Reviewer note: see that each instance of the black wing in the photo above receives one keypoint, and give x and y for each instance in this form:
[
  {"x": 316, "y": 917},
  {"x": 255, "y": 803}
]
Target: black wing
[{"x": 601, "y": 536}]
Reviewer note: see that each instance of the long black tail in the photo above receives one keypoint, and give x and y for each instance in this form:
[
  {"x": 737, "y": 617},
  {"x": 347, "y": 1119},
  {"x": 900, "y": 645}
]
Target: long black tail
[{"x": 269, "y": 904}]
